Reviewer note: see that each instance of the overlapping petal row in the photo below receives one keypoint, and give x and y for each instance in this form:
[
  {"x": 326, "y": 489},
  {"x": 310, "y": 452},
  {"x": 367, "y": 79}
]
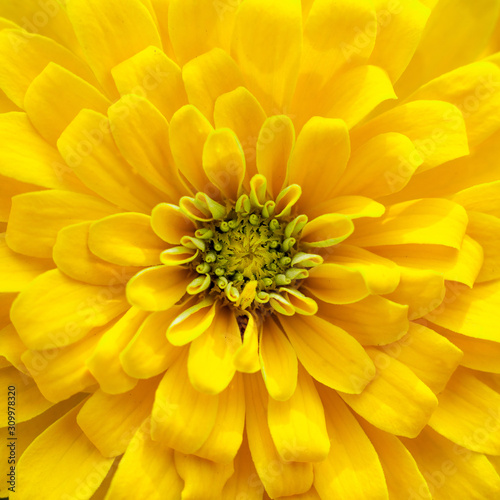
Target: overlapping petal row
[{"x": 356, "y": 354}]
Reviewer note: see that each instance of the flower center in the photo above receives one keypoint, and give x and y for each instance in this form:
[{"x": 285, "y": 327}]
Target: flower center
[{"x": 248, "y": 252}]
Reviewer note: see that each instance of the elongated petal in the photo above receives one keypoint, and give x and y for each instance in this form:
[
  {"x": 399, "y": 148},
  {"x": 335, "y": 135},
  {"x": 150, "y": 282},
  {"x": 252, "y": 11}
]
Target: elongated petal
[
  {"x": 352, "y": 468},
  {"x": 149, "y": 353},
  {"x": 319, "y": 158},
  {"x": 431, "y": 221},
  {"x": 157, "y": 288},
  {"x": 170, "y": 224},
  {"x": 60, "y": 372},
  {"x": 371, "y": 321},
  {"x": 191, "y": 323},
  {"x": 467, "y": 474},
  {"x": 151, "y": 74},
  {"x": 267, "y": 42},
  {"x": 394, "y": 387},
  {"x": 293, "y": 477},
  {"x": 278, "y": 362},
  {"x": 337, "y": 284},
  {"x": 104, "y": 363},
  {"x": 87, "y": 145},
  {"x": 243, "y": 114},
  {"x": 140, "y": 132},
  {"x": 328, "y": 353},
  {"x": 467, "y": 413},
  {"x": 71, "y": 453},
  {"x": 161, "y": 481},
  {"x": 80, "y": 308},
  {"x": 427, "y": 354},
  {"x": 471, "y": 312},
  {"x": 484, "y": 198},
  {"x": 300, "y": 420},
  {"x": 182, "y": 417},
  {"x": 17, "y": 270},
  {"x": 100, "y": 27},
  {"x": 227, "y": 434},
  {"x": 34, "y": 52},
  {"x": 110, "y": 421},
  {"x": 126, "y": 239}
]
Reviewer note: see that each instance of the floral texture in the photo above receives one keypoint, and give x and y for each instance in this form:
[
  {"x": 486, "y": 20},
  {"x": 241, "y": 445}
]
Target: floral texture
[{"x": 250, "y": 249}]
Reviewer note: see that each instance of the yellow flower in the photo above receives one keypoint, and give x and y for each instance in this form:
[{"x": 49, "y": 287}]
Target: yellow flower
[{"x": 250, "y": 249}]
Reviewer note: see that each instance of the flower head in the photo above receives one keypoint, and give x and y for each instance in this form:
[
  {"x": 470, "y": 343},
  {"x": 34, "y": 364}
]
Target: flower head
[{"x": 251, "y": 248}]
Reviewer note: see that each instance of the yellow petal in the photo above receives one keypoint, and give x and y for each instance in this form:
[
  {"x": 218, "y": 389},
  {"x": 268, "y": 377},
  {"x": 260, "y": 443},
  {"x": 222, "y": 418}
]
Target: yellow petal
[
  {"x": 328, "y": 353},
  {"x": 9, "y": 188},
  {"x": 197, "y": 26},
  {"x": 400, "y": 469},
  {"x": 243, "y": 114},
  {"x": 327, "y": 230},
  {"x": 274, "y": 144},
  {"x": 267, "y": 43},
  {"x": 337, "y": 284},
  {"x": 319, "y": 158},
  {"x": 428, "y": 354},
  {"x": 104, "y": 364},
  {"x": 381, "y": 275},
  {"x": 278, "y": 362},
  {"x": 471, "y": 312},
  {"x": 149, "y": 352},
  {"x": 157, "y": 288},
  {"x": 353, "y": 207},
  {"x": 191, "y": 323},
  {"x": 470, "y": 89},
  {"x": 87, "y": 145},
  {"x": 207, "y": 77},
  {"x": 210, "y": 363},
  {"x": 224, "y": 162},
  {"x": 17, "y": 270},
  {"x": 427, "y": 221},
  {"x": 448, "y": 42},
  {"x": 202, "y": 478},
  {"x": 56, "y": 96},
  {"x": 126, "y": 239},
  {"x": 462, "y": 265},
  {"x": 468, "y": 413},
  {"x": 151, "y": 74},
  {"x": 29, "y": 400},
  {"x": 400, "y": 27},
  {"x": 80, "y": 308},
  {"x": 71, "y": 453},
  {"x": 240, "y": 483},
  {"x": 161, "y": 480},
  {"x": 182, "y": 417},
  {"x": 74, "y": 258},
  {"x": 436, "y": 128},
  {"x": 227, "y": 434},
  {"x": 483, "y": 198},
  {"x": 100, "y": 29},
  {"x": 170, "y": 224},
  {"x": 26, "y": 157},
  {"x": 452, "y": 471},
  {"x": 298, "y": 425},
  {"x": 25, "y": 55},
  {"x": 37, "y": 217},
  {"x": 12, "y": 348},
  {"x": 140, "y": 132},
  {"x": 111, "y": 421},
  {"x": 246, "y": 358},
  {"x": 394, "y": 387},
  {"x": 485, "y": 230},
  {"x": 371, "y": 321},
  {"x": 422, "y": 291},
  {"x": 381, "y": 166},
  {"x": 189, "y": 130},
  {"x": 292, "y": 477},
  {"x": 352, "y": 469},
  {"x": 482, "y": 355},
  {"x": 60, "y": 372}
]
